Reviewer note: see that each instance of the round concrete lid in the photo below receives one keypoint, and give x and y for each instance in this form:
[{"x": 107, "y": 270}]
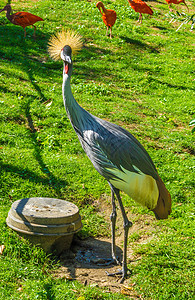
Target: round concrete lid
[
  {"x": 44, "y": 216},
  {"x": 45, "y": 210}
]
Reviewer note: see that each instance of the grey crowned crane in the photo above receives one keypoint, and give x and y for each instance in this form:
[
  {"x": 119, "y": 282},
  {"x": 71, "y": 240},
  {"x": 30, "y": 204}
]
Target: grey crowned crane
[{"x": 114, "y": 152}]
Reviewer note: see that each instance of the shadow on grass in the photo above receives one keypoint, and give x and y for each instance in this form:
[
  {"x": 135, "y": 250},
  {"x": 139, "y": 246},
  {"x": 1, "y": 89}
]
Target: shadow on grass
[
  {"x": 19, "y": 51},
  {"x": 91, "y": 73},
  {"x": 25, "y": 173},
  {"x": 90, "y": 254},
  {"x": 139, "y": 44},
  {"x": 160, "y": 27},
  {"x": 29, "y": 67},
  {"x": 175, "y": 86},
  {"x": 22, "y": 57},
  {"x": 49, "y": 291},
  {"x": 31, "y": 176},
  {"x": 91, "y": 51}
]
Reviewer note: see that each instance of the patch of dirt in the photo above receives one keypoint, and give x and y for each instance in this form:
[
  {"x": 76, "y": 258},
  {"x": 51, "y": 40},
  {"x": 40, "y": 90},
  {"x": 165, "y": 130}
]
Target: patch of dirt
[{"x": 88, "y": 260}]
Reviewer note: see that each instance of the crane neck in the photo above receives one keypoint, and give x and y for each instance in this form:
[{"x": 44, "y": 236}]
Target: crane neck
[
  {"x": 75, "y": 112},
  {"x": 78, "y": 116},
  {"x": 69, "y": 101}
]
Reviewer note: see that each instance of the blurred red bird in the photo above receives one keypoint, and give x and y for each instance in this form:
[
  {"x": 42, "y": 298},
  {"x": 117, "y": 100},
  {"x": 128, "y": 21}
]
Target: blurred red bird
[
  {"x": 176, "y": 2},
  {"x": 22, "y": 19},
  {"x": 108, "y": 16},
  {"x": 141, "y": 7}
]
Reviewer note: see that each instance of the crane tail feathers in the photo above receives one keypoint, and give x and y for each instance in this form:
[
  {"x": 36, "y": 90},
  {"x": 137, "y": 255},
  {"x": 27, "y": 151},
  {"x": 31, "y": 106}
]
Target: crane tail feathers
[{"x": 163, "y": 207}]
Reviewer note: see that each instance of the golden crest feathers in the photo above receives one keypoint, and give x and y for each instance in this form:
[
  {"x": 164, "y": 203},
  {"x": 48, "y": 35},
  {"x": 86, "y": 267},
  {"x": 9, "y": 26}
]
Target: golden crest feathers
[{"x": 61, "y": 39}]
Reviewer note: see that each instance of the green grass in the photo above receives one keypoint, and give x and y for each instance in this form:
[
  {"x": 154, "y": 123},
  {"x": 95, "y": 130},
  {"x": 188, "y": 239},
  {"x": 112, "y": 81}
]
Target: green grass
[{"x": 143, "y": 80}]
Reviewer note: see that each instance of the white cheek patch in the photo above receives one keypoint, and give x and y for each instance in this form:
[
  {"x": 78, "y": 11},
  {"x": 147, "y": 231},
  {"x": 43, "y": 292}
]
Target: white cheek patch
[{"x": 140, "y": 187}]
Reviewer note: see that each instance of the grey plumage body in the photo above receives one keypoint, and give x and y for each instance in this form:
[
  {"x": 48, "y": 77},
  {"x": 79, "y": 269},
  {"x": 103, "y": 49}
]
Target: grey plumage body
[
  {"x": 106, "y": 144},
  {"x": 119, "y": 157}
]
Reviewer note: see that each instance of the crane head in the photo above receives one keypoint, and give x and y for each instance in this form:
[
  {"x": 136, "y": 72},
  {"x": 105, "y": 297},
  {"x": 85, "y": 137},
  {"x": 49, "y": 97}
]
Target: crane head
[
  {"x": 66, "y": 54},
  {"x": 62, "y": 40}
]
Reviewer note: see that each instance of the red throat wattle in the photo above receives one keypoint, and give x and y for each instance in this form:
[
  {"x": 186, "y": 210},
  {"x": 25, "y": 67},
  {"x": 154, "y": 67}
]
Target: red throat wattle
[{"x": 66, "y": 68}]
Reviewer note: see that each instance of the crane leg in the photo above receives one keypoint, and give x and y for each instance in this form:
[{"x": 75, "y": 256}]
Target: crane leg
[
  {"x": 113, "y": 217},
  {"x": 126, "y": 224}
]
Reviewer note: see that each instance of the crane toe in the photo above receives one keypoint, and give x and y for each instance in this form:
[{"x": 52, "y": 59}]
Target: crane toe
[{"x": 120, "y": 272}]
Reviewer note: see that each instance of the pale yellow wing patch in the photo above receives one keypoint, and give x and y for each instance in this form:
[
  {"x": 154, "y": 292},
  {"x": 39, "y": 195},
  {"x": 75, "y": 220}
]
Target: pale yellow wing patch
[{"x": 140, "y": 187}]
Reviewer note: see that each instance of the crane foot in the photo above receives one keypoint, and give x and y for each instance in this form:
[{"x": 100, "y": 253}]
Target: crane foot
[{"x": 119, "y": 272}]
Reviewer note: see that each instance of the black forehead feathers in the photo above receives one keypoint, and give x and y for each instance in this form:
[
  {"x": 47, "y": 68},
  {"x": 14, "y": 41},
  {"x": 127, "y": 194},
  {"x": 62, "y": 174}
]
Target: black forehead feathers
[{"x": 67, "y": 50}]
